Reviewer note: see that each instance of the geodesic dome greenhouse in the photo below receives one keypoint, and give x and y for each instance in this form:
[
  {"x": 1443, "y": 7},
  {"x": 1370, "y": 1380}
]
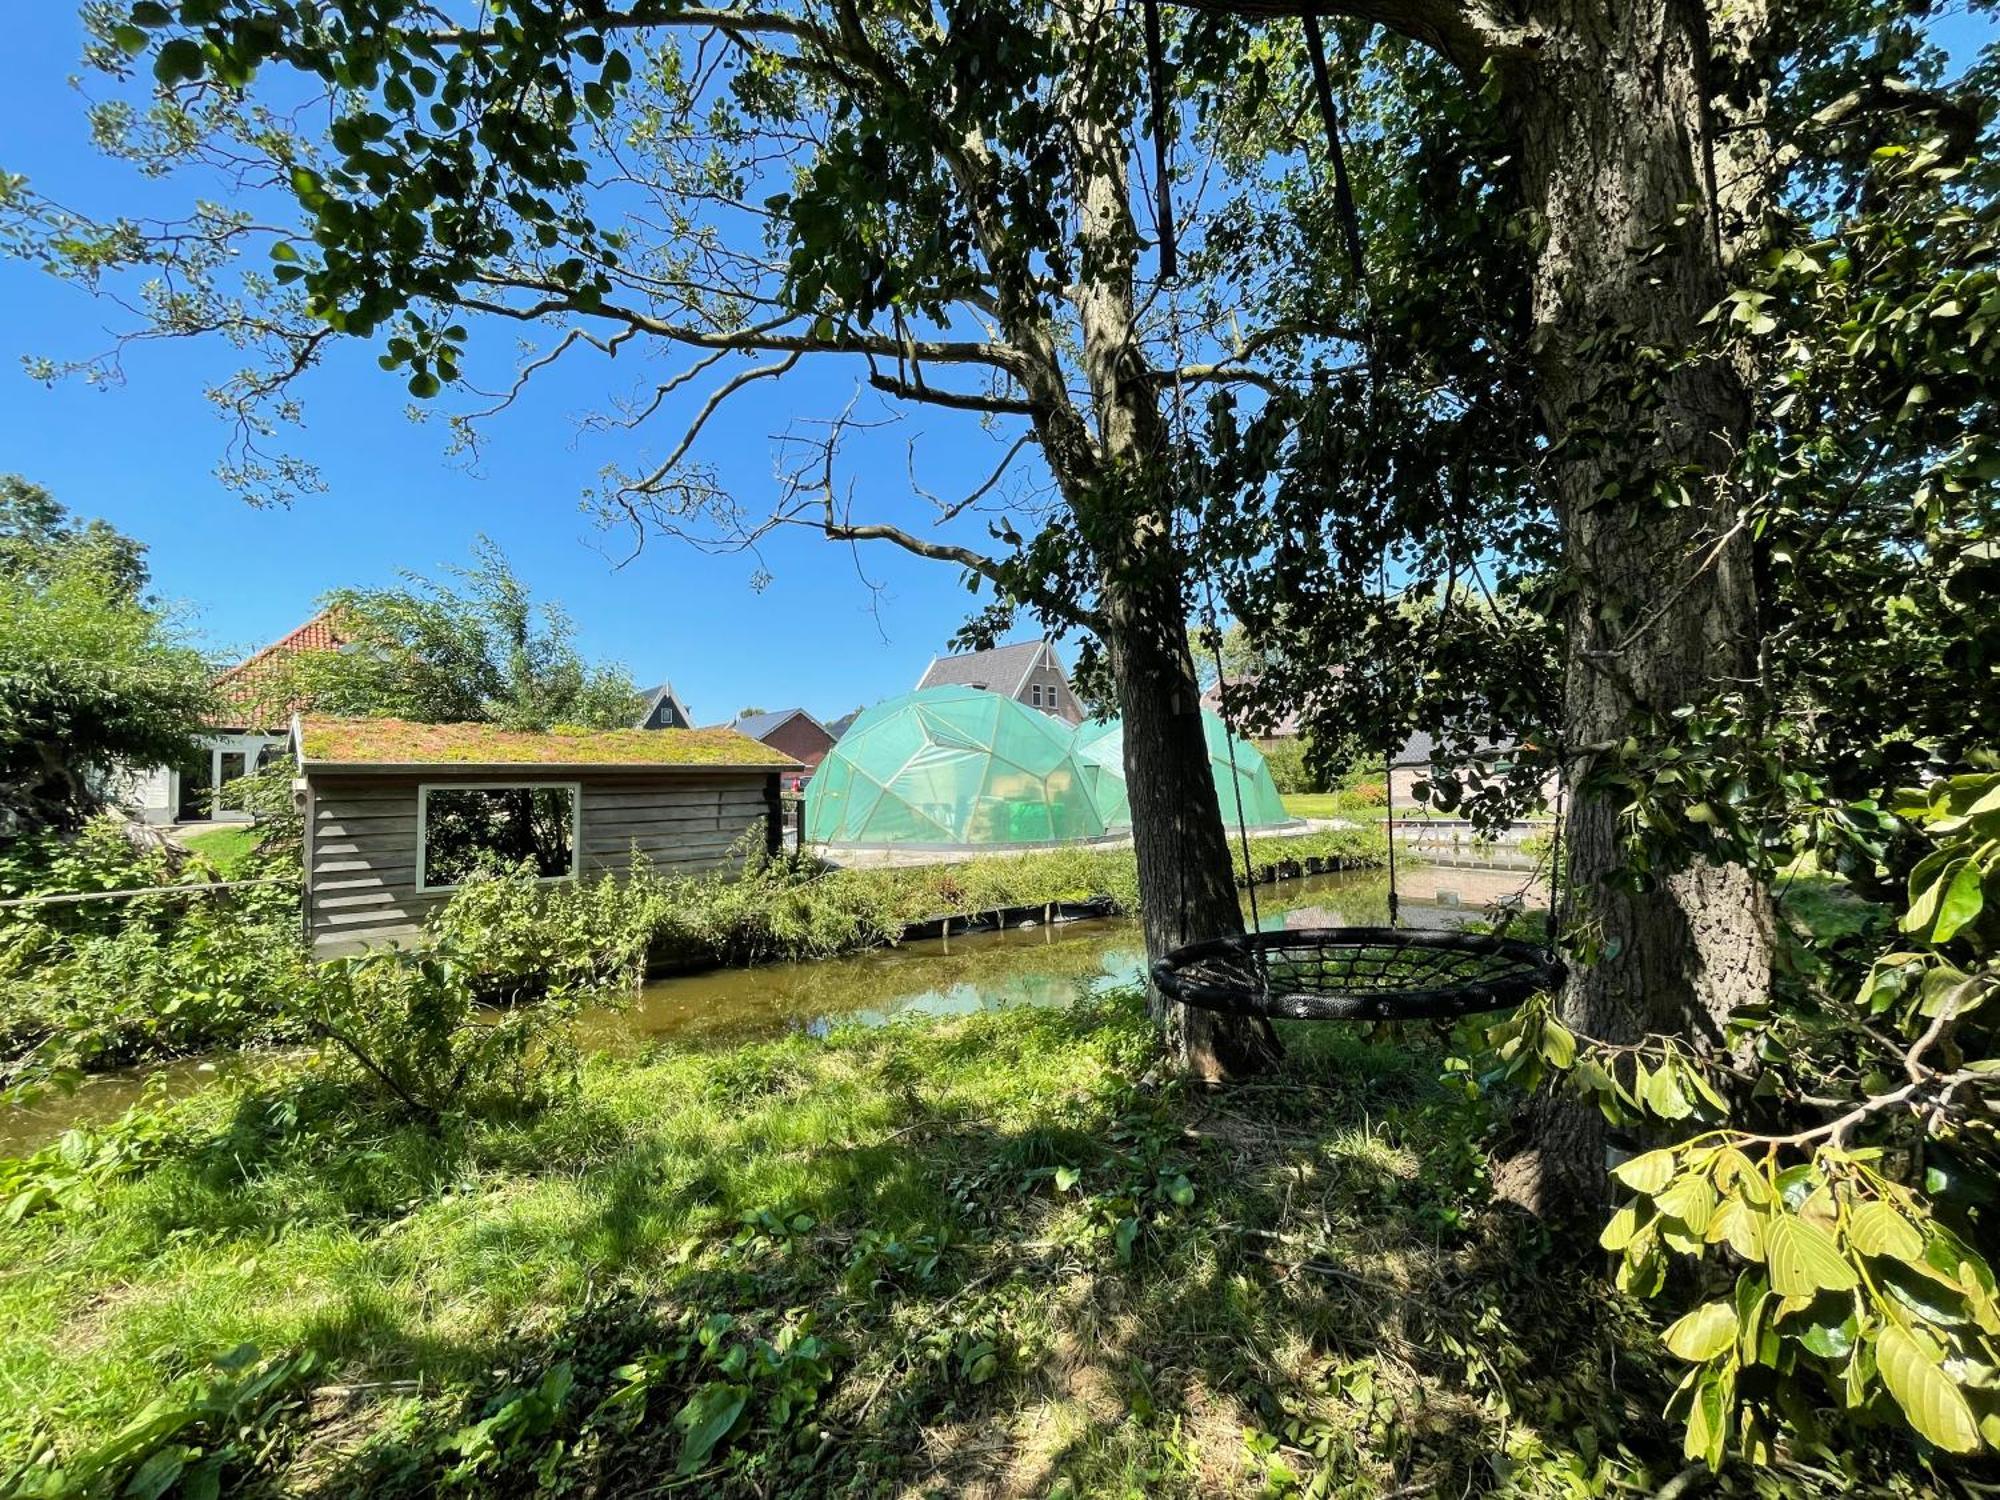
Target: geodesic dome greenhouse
[
  {"x": 951, "y": 767},
  {"x": 1099, "y": 745}
]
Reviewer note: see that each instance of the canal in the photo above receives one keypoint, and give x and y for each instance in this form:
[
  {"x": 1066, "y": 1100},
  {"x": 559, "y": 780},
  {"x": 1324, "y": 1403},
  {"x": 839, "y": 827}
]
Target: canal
[{"x": 1028, "y": 965}]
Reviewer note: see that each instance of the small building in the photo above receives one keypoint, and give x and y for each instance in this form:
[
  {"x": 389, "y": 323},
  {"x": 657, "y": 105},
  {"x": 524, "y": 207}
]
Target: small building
[
  {"x": 1029, "y": 672},
  {"x": 1420, "y": 759},
  {"x": 247, "y": 732},
  {"x": 661, "y": 708},
  {"x": 794, "y": 732},
  {"x": 1264, "y": 728},
  {"x": 397, "y": 814}
]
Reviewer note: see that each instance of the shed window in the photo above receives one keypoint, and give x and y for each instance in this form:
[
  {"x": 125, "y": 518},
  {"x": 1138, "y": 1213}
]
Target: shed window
[{"x": 461, "y": 829}]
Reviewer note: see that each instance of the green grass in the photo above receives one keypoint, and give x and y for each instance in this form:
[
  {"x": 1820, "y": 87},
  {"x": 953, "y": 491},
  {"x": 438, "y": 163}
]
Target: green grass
[
  {"x": 1350, "y": 806},
  {"x": 1035, "y": 1277},
  {"x": 228, "y": 848}
]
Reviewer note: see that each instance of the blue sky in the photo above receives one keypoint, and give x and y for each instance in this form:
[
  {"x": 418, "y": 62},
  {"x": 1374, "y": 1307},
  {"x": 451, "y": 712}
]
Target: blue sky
[{"x": 142, "y": 453}]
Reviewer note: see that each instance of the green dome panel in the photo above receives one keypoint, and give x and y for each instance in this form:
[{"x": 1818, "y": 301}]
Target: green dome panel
[
  {"x": 951, "y": 767},
  {"x": 1099, "y": 748}
]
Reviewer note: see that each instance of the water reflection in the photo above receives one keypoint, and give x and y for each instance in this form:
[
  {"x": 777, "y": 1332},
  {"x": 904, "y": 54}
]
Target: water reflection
[
  {"x": 1038, "y": 965},
  {"x": 1033, "y": 965}
]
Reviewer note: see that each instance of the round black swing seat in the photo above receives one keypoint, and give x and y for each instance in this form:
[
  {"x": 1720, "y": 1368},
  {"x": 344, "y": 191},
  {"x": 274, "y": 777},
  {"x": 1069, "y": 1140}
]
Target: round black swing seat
[{"x": 1357, "y": 974}]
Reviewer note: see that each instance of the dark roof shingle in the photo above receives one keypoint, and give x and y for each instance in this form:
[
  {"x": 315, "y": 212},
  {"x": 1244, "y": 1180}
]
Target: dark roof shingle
[{"x": 1000, "y": 670}]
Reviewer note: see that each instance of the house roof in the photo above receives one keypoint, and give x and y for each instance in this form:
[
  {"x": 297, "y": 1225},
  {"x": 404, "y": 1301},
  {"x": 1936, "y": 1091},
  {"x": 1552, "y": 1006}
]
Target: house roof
[
  {"x": 759, "y": 725},
  {"x": 1282, "y": 725},
  {"x": 1002, "y": 669},
  {"x": 1421, "y": 750},
  {"x": 386, "y": 743},
  {"x": 243, "y": 688},
  {"x": 649, "y": 703},
  {"x": 845, "y": 722}
]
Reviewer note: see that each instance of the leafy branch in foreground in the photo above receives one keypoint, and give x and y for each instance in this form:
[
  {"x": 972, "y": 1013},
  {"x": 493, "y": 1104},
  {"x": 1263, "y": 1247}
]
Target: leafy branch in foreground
[{"x": 1834, "y": 1262}]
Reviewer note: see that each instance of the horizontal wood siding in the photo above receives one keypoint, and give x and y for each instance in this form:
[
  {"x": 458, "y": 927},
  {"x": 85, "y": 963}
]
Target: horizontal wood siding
[{"x": 362, "y": 844}]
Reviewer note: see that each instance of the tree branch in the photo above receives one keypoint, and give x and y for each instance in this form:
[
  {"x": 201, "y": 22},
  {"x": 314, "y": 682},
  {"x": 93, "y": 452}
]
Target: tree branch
[{"x": 1467, "y": 31}]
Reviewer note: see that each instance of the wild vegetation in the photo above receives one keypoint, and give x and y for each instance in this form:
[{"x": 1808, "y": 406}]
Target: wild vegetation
[
  {"x": 971, "y": 1258},
  {"x": 1647, "y": 347},
  {"x": 93, "y": 985},
  {"x": 473, "y": 647},
  {"x": 96, "y": 676}
]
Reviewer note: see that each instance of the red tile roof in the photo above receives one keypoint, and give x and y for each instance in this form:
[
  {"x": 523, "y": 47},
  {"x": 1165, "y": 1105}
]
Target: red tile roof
[{"x": 243, "y": 689}]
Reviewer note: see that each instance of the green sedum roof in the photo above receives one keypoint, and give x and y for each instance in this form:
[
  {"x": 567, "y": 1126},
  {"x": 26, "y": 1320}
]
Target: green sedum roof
[{"x": 402, "y": 742}]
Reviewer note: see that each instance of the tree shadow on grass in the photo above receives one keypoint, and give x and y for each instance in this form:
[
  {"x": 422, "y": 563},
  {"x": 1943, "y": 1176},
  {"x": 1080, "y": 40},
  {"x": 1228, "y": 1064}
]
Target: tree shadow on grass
[{"x": 1308, "y": 1284}]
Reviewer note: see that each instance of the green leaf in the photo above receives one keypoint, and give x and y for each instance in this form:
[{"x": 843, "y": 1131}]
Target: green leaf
[
  {"x": 1647, "y": 1173},
  {"x": 1703, "y": 1333},
  {"x": 179, "y": 60},
  {"x": 157, "y": 1474},
  {"x": 1558, "y": 1045},
  {"x": 1690, "y": 1199},
  {"x": 1828, "y": 1327},
  {"x": 707, "y": 1418},
  {"x": 1875, "y": 1228},
  {"x": 1929, "y": 1398},
  {"x": 1664, "y": 1097},
  {"x": 1708, "y": 1418},
  {"x": 1927, "y": 883},
  {"x": 1067, "y": 1178},
  {"x": 1962, "y": 901},
  {"x": 1803, "y": 1258},
  {"x": 1738, "y": 1225},
  {"x": 1622, "y": 1229}
]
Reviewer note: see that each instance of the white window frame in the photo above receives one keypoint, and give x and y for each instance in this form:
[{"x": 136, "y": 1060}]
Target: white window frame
[
  {"x": 425, "y": 788},
  {"x": 1037, "y": 691}
]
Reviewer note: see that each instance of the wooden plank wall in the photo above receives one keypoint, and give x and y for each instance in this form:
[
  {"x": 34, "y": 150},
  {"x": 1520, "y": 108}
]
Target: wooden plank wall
[{"x": 361, "y": 848}]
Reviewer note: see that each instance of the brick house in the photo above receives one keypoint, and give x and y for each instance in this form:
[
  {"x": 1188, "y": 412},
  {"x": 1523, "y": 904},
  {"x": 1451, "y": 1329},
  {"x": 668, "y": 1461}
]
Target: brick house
[
  {"x": 793, "y": 732},
  {"x": 251, "y": 726}
]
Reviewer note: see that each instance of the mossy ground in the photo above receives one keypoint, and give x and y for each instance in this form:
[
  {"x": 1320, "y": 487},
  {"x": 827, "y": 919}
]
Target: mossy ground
[{"x": 1034, "y": 1275}]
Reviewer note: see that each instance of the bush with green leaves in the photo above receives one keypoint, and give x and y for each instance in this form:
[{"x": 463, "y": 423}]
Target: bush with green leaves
[
  {"x": 94, "y": 678},
  {"x": 411, "y": 1027},
  {"x": 90, "y": 985},
  {"x": 1827, "y": 1212},
  {"x": 519, "y": 937},
  {"x": 214, "y": 1429}
]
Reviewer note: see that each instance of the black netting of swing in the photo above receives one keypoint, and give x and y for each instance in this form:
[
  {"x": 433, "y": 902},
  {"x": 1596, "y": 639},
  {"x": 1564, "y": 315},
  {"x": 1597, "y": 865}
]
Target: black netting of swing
[{"x": 1357, "y": 974}]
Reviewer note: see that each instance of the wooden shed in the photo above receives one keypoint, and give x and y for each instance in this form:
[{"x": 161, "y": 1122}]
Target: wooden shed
[{"x": 397, "y": 813}]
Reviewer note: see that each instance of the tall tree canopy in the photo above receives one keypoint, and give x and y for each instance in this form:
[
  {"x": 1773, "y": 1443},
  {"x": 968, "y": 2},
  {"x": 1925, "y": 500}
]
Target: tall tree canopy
[
  {"x": 473, "y": 648},
  {"x": 96, "y": 679}
]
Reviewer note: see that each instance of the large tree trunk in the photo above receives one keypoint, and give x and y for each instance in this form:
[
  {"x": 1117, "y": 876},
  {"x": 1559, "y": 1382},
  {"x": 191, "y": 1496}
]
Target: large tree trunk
[
  {"x": 1186, "y": 890},
  {"x": 1616, "y": 147}
]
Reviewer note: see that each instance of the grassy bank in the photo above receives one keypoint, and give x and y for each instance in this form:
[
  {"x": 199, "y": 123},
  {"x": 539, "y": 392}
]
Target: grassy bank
[
  {"x": 91, "y": 987},
  {"x": 962, "y": 1259}
]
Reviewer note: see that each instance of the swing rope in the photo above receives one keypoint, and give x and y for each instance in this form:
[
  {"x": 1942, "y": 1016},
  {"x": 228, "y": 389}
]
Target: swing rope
[{"x": 1339, "y": 973}]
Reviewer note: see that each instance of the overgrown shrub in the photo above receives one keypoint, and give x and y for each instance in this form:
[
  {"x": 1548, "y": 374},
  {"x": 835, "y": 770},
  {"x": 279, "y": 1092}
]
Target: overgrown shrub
[
  {"x": 95, "y": 984},
  {"x": 410, "y": 1026},
  {"x": 518, "y": 937},
  {"x": 1290, "y": 768},
  {"x": 1819, "y": 1232}
]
